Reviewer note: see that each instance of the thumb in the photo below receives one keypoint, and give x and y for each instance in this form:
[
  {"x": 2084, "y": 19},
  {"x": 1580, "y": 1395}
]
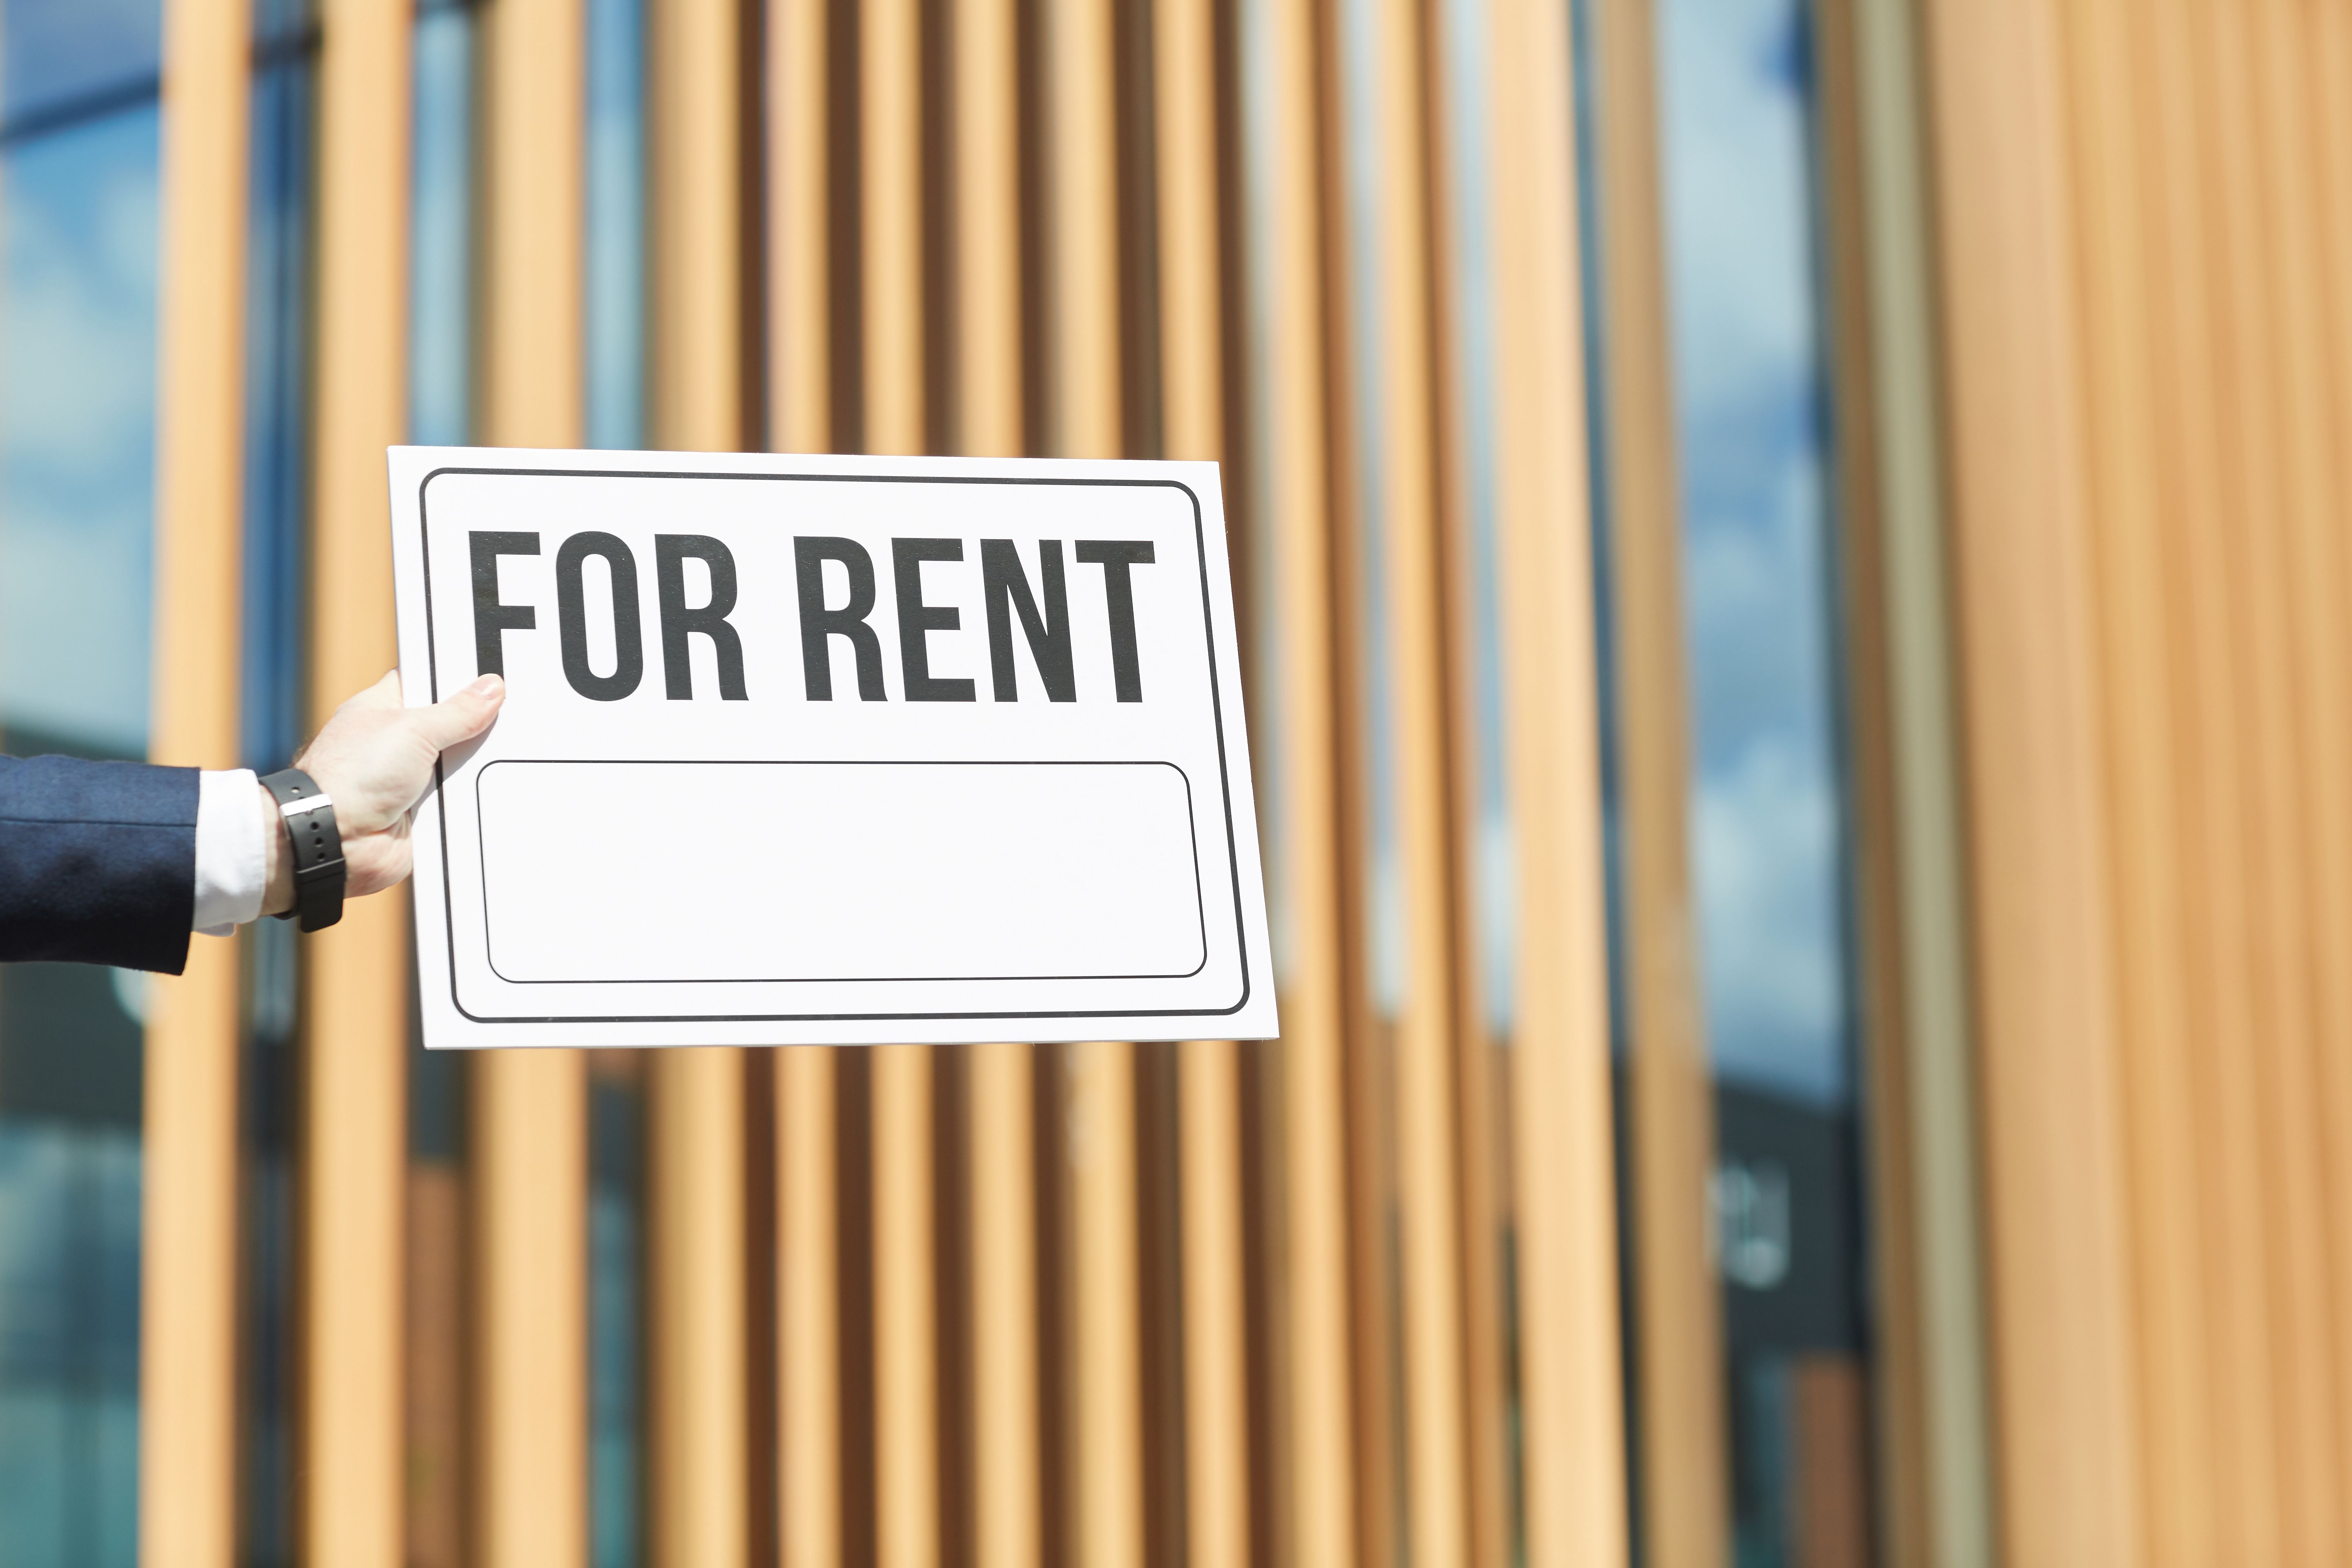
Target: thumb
[
  {"x": 385, "y": 693},
  {"x": 459, "y": 717}
]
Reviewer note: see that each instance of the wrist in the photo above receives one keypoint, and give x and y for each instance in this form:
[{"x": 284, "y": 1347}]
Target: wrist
[{"x": 278, "y": 883}]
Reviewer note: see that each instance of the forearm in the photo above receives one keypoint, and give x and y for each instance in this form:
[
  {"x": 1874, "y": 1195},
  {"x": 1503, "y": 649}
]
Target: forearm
[{"x": 96, "y": 862}]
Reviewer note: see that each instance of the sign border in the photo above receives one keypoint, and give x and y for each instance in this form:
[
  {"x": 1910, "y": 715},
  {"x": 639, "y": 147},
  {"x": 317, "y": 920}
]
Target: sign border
[{"x": 1216, "y": 706}]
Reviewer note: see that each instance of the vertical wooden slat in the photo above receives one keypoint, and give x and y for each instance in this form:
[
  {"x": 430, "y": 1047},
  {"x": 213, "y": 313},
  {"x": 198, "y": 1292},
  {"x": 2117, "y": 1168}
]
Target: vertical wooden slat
[
  {"x": 1005, "y": 1308},
  {"x": 696, "y": 1353},
  {"x": 889, "y": 82},
  {"x": 697, "y": 1427},
  {"x": 1367, "y": 1029},
  {"x": 1319, "y": 1402},
  {"x": 2277, "y": 325},
  {"x": 1083, "y": 330},
  {"x": 2244, "y": 418},
  {"x": 990, "y": 394},
  {"x": 2280, "y": 295},
  {"x": 987, "y": 177},
  {"x": 1109, "y": 1414},
  {"x": 2206, "y": 759},
  {"x": 1191, "y": 337},
  {"x": 1571, "y": 1388},
  {"x": 2070, "y": 1476},
  {"x": 1934, "y": 1490},
  {"x": 188, "y": 1280},
  {"x": 1429, "y": 1261},
  {"x": 799, "y": 161},
  {"x": 527, "y": 1112},
  {"x": 433, "y": 1403},
  {"x": 808, "y": 1330},
  {"x": 2209, "y": 713},
  {"x": 2324, "y": 577},
  {"x": 1897, "y": 1371},
  {"x": 1679, "y": 1343},
  {"x": 1482, "y": 1141},
  {"x": 2142, "y": 813},
  {"x": 355, "y": 1079},
  {"x": 906, "y": 1481},
  {"x": 906, "y": 1351}
]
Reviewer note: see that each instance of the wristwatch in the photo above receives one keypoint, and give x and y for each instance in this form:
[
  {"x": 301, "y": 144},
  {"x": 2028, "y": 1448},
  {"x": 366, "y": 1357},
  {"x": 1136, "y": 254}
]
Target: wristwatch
[{"x": 316, "y": 848}]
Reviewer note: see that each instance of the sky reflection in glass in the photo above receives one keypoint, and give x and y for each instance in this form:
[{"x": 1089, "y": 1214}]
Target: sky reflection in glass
[
  {"x": 1740, "y": 204},
  {"x": 77, "y": 432}
]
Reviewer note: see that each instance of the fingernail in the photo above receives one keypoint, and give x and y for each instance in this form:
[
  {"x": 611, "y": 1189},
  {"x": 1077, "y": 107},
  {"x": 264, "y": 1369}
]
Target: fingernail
[{"x": 485, "y": 685}]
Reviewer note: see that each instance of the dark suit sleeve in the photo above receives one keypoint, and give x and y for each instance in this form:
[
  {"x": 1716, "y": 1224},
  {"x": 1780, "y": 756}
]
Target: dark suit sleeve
[{"x": 98, "y": 862}]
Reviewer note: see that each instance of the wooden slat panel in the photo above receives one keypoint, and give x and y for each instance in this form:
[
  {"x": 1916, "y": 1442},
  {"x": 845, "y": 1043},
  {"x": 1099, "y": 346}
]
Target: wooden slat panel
[
  {"x": 1367, "y": 1032},
  {"x": 906, "y": 1397},
  {"x": 527, "y": 1119},
  {"x": 799, "y": 167},
  {"x": 1934, "y": 1467},
  {"x": 2273, "y": 283},
  {"x": 355, "y": 1079},
  {"x": 1571, "y": 1388},
  {"x": 987, "y": 178},
  {"x": 698, "y": 1430},
  {"x": 1449, "y": 51},
  {"x": 2070, "y": 1477},
  {"x": 889, "y": 80},
  {"x": 990, "y": 394},
  {"x": 1108, "y": 1395},
  {"x": 188, "y": 1245},
  {"x": 1193, "y": 378},
  {"x": 2245, "y": 419},
  {"x": 1319, "y": 1403},
  {"x": 2207, "y": 716},
  {"x": 2143, "y": 811},
  {"x": 1896, "y": 1386},
  {"x": 1089, "y": 421},
  {"x": 906, "y": 1351},
  {"x": 1430, "y": 1258},
  {"x": 808, "y": 1305},
  {"x": 433, "y": 1400},
  {"x": 1679, "y": 1344},
  {"x": 2324, "y": 575},
  {"x": 808, "y": 1330},
  {"x": 1005, "y": 1308}
]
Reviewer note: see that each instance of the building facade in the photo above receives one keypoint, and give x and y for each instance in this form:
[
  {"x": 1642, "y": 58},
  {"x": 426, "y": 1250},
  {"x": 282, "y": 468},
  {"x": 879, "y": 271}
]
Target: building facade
[{"x": 1792, "y": 562}]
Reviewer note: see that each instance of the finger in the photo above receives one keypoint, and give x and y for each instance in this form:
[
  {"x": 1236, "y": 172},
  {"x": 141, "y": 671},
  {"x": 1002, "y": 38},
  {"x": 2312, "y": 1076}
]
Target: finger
[{"x": 458, "y": 718}]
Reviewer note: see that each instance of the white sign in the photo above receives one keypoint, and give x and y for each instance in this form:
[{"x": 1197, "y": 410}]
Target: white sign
[{"x": 829, "y": 750}]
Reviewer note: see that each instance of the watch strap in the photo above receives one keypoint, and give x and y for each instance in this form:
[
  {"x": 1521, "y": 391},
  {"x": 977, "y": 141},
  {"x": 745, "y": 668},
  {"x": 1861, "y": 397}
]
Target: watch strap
[{"x": 315, "y": 845}]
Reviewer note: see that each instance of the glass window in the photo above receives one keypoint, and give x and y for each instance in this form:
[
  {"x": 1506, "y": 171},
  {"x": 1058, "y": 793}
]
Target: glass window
[
  {"x": 616, "y": 226},
  {"x": 71, "y": 60},
  {"x": 78, "y": 237},
  {"x": 78, "y": 434},
  {"x": 1768, "y": 855}
]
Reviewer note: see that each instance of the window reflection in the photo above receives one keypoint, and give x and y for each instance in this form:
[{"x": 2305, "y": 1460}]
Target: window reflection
[
  {"x": 77, "y": 233},
  {"x": 65, "y": 57},
  {"x": 77, "y": 434},
  {"x": 1768, "y": 852}
]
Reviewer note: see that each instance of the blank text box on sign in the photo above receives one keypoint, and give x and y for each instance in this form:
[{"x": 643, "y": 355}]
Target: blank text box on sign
[{"x": 898, "y": 871}]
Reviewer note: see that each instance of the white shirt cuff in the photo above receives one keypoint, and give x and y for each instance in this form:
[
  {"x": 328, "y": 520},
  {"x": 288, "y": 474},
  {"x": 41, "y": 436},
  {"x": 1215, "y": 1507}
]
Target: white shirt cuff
[{"x": 232, "y": 861}]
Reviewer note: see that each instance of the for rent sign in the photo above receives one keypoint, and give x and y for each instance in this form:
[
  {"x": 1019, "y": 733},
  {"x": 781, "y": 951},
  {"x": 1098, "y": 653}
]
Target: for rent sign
[{"x": 829, "y": 750}]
